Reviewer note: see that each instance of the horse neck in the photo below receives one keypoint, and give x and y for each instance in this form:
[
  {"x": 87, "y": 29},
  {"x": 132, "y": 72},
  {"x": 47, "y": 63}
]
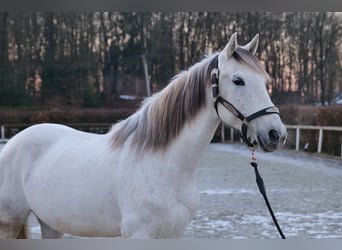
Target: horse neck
[{"x": 195, "y": 137}]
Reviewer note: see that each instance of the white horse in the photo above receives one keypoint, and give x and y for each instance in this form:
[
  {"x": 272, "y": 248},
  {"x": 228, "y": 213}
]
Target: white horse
[{"x": 139, "y": 179}]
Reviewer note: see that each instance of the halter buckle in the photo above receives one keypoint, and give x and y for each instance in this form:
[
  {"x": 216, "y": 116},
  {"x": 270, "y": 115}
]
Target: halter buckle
[
  {"x": 214, "y": 75},
  {"x": 214, "y": 82}
]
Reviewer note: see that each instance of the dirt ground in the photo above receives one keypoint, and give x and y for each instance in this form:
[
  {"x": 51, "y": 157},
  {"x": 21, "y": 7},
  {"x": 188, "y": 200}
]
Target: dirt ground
[{"x": 304, "y": 190}]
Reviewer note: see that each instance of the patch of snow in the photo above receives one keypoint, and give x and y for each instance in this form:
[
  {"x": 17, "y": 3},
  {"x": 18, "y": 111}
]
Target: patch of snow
[{"x": 226, "y": 191}]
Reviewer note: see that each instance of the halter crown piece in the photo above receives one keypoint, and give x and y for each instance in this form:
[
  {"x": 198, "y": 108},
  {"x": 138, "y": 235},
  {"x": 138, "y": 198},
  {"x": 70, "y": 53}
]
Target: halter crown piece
[{"x": 214, "y": 75}]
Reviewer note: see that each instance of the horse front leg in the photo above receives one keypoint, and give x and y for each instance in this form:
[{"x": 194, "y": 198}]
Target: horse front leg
[
  {"x": 48, "y": 232},
  {"x": 135, "y": 228}
]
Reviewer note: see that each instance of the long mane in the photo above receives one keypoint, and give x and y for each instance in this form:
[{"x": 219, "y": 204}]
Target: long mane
[{"x": 163, "y": 115}]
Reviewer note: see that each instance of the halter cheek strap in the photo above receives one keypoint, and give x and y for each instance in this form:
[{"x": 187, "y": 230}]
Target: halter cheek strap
[{"x": 214, "y": 75}]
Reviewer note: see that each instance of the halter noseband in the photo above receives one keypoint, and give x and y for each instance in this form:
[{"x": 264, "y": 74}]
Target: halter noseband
[{"x": 214, "y": 75}]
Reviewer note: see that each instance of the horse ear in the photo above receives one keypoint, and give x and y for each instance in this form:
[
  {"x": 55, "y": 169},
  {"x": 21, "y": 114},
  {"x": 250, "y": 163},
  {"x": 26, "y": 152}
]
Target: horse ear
[
  {"x": 231, "y": 46},
  {"x": 252, "y": 46}
]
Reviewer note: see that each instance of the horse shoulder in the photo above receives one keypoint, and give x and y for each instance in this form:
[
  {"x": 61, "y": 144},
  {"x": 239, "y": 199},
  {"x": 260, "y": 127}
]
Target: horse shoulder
[{"x": 154, "y": 201}]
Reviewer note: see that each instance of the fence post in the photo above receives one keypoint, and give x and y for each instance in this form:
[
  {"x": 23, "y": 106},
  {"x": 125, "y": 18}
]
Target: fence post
[
  {"x": 297, "y": 138},
  {"x": 2, "y": 132},
  {"x": 320, "y": 140},
  {"x": 231, "y": 134}
]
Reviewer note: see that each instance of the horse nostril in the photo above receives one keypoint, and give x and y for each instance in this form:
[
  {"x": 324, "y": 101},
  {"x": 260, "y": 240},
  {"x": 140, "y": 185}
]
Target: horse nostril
[{"x": 273, "y": 135}]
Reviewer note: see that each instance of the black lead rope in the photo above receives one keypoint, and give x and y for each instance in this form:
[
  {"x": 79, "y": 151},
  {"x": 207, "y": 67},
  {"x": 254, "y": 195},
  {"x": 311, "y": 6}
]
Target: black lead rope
[{"x": 262, "y": 189}]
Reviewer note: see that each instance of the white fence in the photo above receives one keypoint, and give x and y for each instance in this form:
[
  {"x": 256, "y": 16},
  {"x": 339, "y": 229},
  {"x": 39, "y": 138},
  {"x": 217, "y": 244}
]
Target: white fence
[
  {"x": 103, "y": 128},
  {"x": 298, "y": 129},
  {"x": 321, "y": 130}
]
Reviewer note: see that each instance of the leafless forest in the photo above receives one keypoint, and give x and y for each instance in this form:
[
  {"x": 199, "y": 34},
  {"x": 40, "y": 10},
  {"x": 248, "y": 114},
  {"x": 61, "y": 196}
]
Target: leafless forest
[{"x": 89, "y": 59}]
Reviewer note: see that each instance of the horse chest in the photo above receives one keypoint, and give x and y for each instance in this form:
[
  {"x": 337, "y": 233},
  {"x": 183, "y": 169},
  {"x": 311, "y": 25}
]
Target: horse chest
[{"x": 158, "y": 213}]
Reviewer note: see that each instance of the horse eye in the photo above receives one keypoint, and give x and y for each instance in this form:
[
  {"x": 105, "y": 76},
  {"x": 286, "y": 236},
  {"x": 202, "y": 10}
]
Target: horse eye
[{"x": 238, "y": 81}]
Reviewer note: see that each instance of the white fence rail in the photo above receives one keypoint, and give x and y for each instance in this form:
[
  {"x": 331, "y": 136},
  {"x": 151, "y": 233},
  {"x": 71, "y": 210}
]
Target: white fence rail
[
  {"x": 102, "y": 128},
  {"x": 298, "y": 129},
  {"x": 321, "y": 130}
]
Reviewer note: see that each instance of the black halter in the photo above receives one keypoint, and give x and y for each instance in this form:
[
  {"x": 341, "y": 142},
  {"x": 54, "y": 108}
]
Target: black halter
[{"x": 214, "y": 75}]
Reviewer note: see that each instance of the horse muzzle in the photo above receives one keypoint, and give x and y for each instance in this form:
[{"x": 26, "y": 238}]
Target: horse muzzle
[{"x": 272, "y": 139}]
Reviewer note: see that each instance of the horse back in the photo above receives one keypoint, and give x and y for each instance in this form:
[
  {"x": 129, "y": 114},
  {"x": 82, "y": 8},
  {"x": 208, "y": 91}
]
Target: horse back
[{"x": 26, "y": 147}]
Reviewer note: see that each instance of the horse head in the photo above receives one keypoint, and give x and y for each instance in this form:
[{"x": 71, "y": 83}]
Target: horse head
[{"x": 242, "y": 100}]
